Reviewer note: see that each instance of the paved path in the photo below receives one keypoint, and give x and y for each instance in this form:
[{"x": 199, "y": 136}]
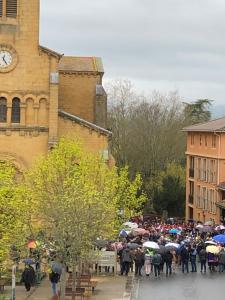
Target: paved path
[
  {"x": 192, "y": 286},
  {"x": 108, "y": 288}
]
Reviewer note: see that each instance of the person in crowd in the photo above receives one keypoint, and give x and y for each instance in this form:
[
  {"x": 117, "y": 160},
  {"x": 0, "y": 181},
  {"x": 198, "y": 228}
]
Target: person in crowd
[
  {"x": 148, "y": 262},
  {"x": 221, "y": 260},
  {"x": 28, "y": 277},
  {"x": 184, "y": 255},
  {"x": 54, "y": 279},
  {"x": 168, "y": 260},
  {"x": 193, "y": 255},
  {"x": 202, "y": 258},
  {"x": 156, "y": 261},
  {"x": 139, "y": 261},
  {"x": 126, "y": 260}
]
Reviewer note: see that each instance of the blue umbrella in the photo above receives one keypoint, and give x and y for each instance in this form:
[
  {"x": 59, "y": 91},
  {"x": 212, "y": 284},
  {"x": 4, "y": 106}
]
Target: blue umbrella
[
  {"x": 123, "y": 233},
  {"x": 28, "y": 261},
  {"x": 220, "y": 238},
  {"x": 176, "y": 231}
]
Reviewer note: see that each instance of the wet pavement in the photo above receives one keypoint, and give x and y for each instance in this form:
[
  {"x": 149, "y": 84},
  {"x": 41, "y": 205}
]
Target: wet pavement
[{"x": 192, "y": 286}]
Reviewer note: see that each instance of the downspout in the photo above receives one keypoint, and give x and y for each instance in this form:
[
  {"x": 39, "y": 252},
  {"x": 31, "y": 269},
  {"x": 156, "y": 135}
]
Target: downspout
[{"x": 218, "y": 167}]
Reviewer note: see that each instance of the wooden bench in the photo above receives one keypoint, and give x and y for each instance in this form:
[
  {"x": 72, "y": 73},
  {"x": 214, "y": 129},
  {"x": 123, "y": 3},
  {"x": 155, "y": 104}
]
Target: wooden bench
[
  {"x": 84, "y": 282},
  {"x": 78, "y": 294}
]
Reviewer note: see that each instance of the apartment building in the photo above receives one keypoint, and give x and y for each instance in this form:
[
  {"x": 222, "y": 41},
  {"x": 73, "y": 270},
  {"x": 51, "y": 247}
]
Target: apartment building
[{"x": 205, "y": 179}]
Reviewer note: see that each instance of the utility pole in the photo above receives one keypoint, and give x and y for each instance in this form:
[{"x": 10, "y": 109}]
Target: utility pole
[{"x": 14, "y": 282}]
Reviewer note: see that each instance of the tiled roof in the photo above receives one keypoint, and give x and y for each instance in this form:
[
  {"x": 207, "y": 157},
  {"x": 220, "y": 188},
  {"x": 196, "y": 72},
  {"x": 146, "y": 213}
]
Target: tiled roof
[
  {"x": 51, "y": 52},
  {"x": 221, "y": 186},
  {"x": 81, "y": 64},
  {"x": 217, "y": 125},
  {"x": 83, "y": 122}
]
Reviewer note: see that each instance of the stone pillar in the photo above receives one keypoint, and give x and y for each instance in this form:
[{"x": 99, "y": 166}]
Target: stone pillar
[
  {"x": 101, "y": 107},
  {"x": 36, "y": 107},
  {"x": 53, "y": 102},
  {"x": 23, "y": 114},
  {"x": 9, "y": 115}
]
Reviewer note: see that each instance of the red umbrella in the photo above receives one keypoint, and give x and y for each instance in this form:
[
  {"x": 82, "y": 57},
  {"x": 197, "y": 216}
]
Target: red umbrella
[
  {"x": 140, "y": 231},
  {"x": 32, "y": 244}
]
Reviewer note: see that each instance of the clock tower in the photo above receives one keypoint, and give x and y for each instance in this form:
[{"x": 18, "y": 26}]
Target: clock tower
[
  {"x": 43, "y": 95},
  {"x": 28, "y": 75}
]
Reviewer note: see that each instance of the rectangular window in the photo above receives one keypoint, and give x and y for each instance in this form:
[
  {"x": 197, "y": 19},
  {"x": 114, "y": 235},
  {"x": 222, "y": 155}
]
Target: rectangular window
[
  {"x": 192, "y": 139},
  {"x": 11, "y": 8},
  {"x": 206, "y": 141},
  {"x": 199, "y": 168},
  {"x": 1, "y": 8},
  {"x": 213, "y": 141},
  {"x": 204, "y": 198},
  {"x": 204, "y": 170},
  {"x": 191, "y": 166},
  {"x": 198, "y": 196},
  {"x": 200, "y": 140}
]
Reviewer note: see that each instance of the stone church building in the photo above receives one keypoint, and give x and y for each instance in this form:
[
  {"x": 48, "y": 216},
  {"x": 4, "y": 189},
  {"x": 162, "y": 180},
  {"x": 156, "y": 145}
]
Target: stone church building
[{"x": 43, "y": 94}]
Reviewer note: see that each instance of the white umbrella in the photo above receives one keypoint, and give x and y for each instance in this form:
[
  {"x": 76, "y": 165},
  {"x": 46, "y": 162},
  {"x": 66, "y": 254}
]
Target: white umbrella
[
  {"x": 210, "y": 243},
  {"x": 209, "y": 223},
  {"x": 199, "y": 226},
  {"x": 172, "y": 245},
  {"x": 151, "y": 245},
  {"x": 130, "y": 225}
]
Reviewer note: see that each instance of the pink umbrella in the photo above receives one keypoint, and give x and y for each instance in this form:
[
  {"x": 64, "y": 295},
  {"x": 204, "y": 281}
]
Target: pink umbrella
[
  {"x": 140, "y": 231},
  {"x": 220, "y": 227}
]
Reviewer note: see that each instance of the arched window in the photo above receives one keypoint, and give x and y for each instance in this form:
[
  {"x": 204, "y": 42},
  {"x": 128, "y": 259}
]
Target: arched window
[
  {"x": 16, "y": 110},
  {"x": 3, "y": 109},
  {"x": 1, "y": 9},
  {"x": 11, "y": 8}
]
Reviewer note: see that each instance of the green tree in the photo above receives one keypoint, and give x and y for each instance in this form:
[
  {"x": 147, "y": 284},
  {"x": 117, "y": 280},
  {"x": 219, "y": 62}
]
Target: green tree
[
  {"x": 77, "y": 198},
  {"x": 168, "y": 190},
  {"x": 198, "y": 111},
  {"x": 15, "y": 217}
]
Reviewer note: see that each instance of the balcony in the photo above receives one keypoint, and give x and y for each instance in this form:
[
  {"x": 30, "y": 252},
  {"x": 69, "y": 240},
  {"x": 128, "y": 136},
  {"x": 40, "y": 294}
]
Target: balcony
[
  {"x": 191, "y": 173},
  {"x": 191, "y": 199}
]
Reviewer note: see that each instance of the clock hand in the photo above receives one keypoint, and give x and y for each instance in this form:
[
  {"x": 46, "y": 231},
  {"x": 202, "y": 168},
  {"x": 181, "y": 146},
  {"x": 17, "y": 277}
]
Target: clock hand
[{"x": 4, "y": 60}]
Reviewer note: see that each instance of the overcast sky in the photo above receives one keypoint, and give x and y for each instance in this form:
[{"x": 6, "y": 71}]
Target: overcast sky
[{"x": 157, "y": 44}]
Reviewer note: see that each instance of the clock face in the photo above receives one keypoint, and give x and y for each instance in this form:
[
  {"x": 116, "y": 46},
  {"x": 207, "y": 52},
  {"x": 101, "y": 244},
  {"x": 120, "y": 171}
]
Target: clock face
[{"x": 5, "y": 59}]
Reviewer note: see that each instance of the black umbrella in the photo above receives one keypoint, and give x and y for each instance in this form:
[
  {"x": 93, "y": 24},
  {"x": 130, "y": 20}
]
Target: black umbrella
[
  {"x": 133, "y": 246},
  {"x": 162, "y": 249}
]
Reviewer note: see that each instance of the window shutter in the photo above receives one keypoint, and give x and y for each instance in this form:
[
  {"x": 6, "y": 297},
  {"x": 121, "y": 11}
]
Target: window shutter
[
  {"x": 11, "y": 8},
  {"x": 0, "y": 8}
]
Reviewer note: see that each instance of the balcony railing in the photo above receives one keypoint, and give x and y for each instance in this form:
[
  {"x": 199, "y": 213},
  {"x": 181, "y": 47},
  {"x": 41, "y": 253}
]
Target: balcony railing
[
  {"x": 191, "y": 199},
  {"x": 191, "y": 173}
]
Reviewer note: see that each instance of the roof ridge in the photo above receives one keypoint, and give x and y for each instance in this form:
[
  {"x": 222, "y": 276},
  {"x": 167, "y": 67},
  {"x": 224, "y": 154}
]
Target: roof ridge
[
  {"x": 202, "y": 123},
  {"x": 84, "y": 122}
]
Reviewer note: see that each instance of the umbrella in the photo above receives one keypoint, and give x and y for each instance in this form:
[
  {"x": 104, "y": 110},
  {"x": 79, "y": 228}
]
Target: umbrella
[
  {"x": 56, "y": 268},
  {"x": 220, "y": 227},
  {"x": 32, "y": 244},
  {"x": 174, "y": 231},
  {"x": 220, "y": 238},
  {"x": 162, "y": 249},
  {"x": 28, "y": 261},
  {"x": 133, "y": 246},
  {"x": 123, "y": 233},
  {"x": 101, "y": 243},
  {"x": 131, "y": 225},
  {"x": 139, "y": 231},
  {"x": 210, "y": 243},
  {"x": 151, "y": 245},
  {"x": 209, "y": 223},
  {"x": 206, "y": 229},
  {"x": 199, "y": 226},
  {"x": 212, "y": 249},
  {"x": 172, "y": 245}
]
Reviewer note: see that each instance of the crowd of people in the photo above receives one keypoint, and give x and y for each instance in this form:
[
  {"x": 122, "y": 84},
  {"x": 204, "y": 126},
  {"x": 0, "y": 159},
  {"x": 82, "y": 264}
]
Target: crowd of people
[{"x": 153, "y": 248}]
